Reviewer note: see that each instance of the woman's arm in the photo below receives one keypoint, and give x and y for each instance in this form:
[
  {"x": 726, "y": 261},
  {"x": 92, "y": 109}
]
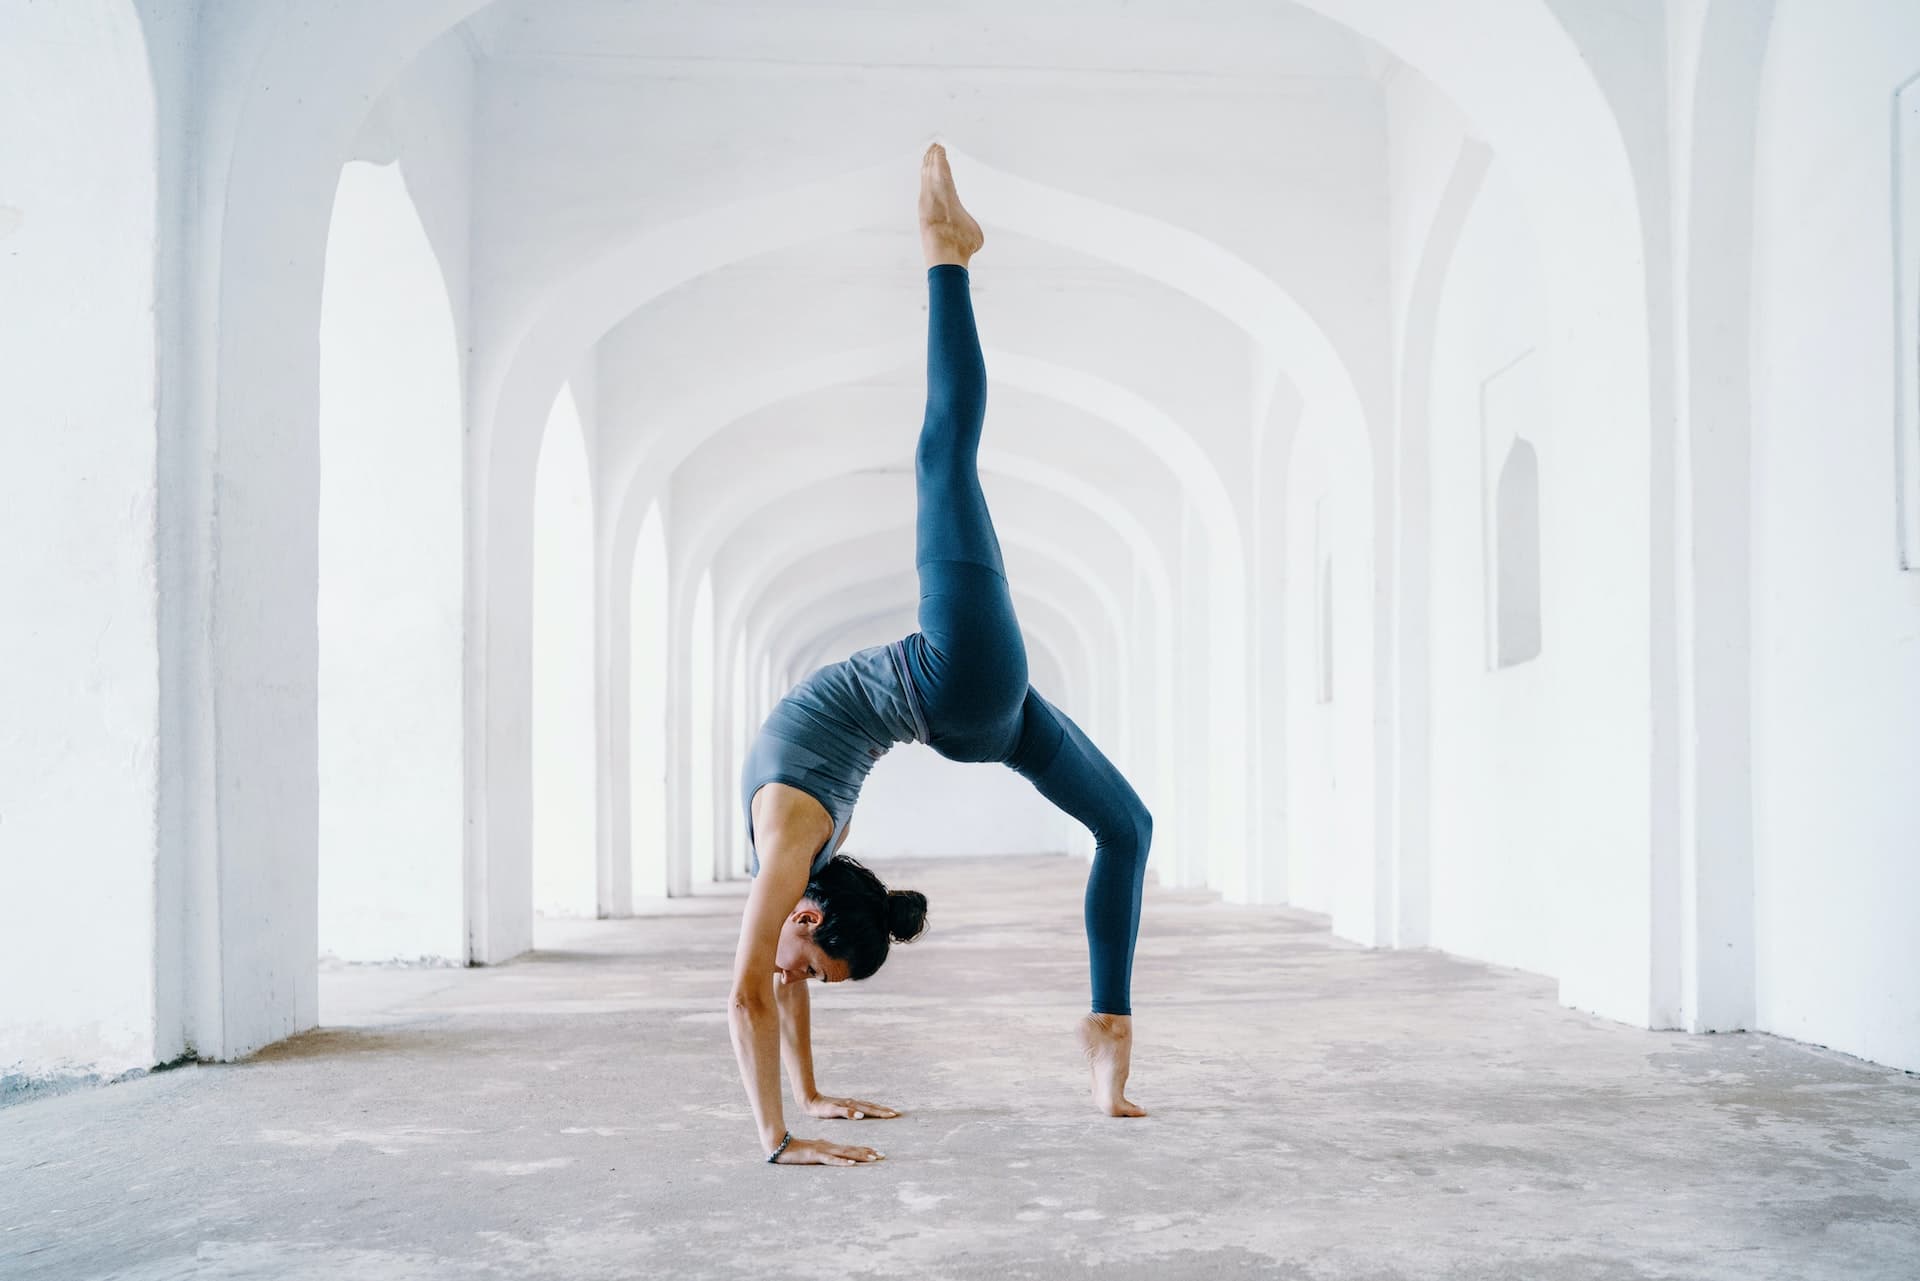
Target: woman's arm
[
  {"x": 796, "y": 1048},
  {"x": 752, "y": 1014},
  {"x": 796, "y": 1038}
]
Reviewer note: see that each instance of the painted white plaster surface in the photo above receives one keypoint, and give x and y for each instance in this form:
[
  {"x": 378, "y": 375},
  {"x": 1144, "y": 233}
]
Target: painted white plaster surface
[
  {"x": 78, "y": 630},
  {"x": 1330, "y": 724},
  {"x": 1836, "y": 666},
  {"x": 1502, "y": 760}
]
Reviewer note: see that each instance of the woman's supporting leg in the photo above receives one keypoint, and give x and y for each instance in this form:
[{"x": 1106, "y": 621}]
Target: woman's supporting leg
[{"x": 1057, "y": 757}]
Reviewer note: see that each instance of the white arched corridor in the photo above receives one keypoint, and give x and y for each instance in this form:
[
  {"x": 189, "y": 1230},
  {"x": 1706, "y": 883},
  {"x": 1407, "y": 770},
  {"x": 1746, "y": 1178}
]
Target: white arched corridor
[{"x": 1459, "y": 461}]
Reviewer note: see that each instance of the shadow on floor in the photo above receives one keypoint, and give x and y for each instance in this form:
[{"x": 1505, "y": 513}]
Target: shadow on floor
[{"x": 343, "y": 1042}]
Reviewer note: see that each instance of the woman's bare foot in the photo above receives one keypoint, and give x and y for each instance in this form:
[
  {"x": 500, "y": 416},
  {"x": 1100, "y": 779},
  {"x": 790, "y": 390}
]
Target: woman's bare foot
[
  {"x": 948, "y": 232},
  {"x": 1107, "y": 1040}
]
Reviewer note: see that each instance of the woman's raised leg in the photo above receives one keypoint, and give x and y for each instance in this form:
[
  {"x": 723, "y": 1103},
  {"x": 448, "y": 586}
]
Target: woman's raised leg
[{"x": 971, "y": 667}]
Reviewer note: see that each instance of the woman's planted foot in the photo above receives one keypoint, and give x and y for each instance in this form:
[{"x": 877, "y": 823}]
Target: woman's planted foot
[
  {"x": 948, "y": 232},
  {"x": 1107, "y": 1041}
]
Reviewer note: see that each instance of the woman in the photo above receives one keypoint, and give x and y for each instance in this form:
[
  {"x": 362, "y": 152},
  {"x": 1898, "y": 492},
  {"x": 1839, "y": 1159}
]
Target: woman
[{"x": 959, "y": 685}]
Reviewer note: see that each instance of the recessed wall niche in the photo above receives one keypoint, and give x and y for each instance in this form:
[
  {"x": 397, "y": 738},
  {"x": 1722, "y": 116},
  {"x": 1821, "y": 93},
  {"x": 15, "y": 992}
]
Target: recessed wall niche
[{"x": 1513, "y": 416}]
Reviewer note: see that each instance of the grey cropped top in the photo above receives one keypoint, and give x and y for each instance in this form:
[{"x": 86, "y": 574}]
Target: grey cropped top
[{"x": 826, "y": 735}]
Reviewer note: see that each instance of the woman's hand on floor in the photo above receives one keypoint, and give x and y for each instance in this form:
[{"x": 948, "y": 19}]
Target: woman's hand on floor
[
  {"x": 829, "y": 1108},
  {"x": 821, "y": 1152}
]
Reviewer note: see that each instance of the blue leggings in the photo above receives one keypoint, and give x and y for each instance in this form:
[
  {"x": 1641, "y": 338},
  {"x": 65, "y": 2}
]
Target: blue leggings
[{"x": 969, "y": 663}]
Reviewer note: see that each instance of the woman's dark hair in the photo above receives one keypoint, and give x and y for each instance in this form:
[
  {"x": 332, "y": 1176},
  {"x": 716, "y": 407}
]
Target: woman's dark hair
[{"x": 858, "y": 914}]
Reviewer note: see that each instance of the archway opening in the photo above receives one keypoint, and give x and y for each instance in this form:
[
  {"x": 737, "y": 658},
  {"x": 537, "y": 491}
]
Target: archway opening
[
  {"x": 565, "y": 869},
  {"x": 390, "y": 593}
]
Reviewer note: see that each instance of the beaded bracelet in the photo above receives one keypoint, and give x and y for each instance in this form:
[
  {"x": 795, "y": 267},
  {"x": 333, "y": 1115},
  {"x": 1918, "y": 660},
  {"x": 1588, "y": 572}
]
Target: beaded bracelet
[{"x": 785, "y": 1139}]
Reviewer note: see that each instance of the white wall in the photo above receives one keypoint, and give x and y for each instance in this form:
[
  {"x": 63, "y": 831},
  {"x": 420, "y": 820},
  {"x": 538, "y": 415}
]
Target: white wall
[
  {"x": 1498, "y": 749},
  {"x": 1836, "y": 671},
  {"x": 1330, "y": 726},
  {"x": 78, "y": 735}
]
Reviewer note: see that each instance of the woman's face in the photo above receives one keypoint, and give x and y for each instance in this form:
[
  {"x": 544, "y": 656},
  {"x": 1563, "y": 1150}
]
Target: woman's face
[{"x": 797, "y": 957}]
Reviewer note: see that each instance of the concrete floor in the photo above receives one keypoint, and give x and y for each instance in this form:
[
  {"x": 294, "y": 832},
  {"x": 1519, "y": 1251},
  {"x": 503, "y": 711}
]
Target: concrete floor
[{"x": 1318, "y": 1111}]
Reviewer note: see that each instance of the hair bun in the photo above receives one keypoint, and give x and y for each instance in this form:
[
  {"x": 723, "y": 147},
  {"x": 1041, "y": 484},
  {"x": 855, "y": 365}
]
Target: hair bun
[{"x": 906, "y": 914}]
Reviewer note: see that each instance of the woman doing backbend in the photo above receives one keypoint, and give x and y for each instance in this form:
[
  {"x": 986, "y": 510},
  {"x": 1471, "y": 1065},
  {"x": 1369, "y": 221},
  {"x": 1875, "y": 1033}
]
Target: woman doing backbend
[{"x": 959, "y": 685}]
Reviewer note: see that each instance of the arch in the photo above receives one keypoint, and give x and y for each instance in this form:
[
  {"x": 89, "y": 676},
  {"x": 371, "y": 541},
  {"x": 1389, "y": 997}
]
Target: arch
[
  {"x": 1135, "y": 416},
  {"x": 565, "y": 871},
  {"x": 391, "y": 876},
  {"x": 1223, "y": 802},
  {"x": 274, "y": 98},
  {"x": 578, "y": 310},
  {"x": 1568, "y": 192},
  {"x": 585, "y": 306}
]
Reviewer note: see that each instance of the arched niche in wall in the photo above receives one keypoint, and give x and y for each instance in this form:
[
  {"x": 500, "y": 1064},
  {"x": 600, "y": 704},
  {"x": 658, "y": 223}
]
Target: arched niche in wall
[
  {"x": 565, "y": 876},
  {"x": 648, "y": 724},
  {"x": 391, "y": 585},
  {"x": 1513, "y": 409},
  {"x": 1516, "y": 585}
]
